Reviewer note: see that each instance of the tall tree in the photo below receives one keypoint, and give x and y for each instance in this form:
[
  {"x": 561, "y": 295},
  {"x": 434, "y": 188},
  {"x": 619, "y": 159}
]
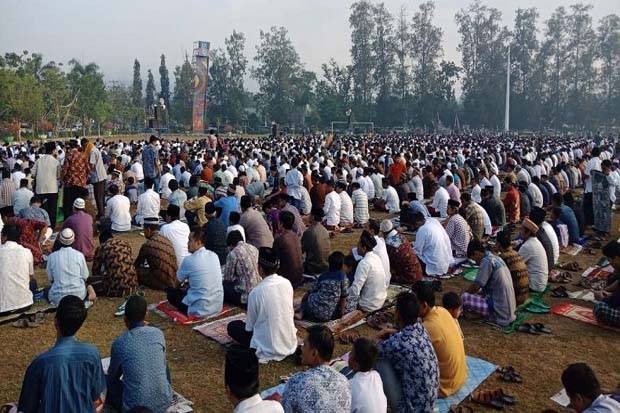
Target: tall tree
[
  {"x": 383, "y": 52},
  {"x": 218, "y": 86},
  {"x": 237, "y": 63},
  {"x": 149, "y": 98},
  {"x": 402, "y": 43},
  {"x": 56, "y": 95},
  {"x": 333, "y": 92},
  {"x": 609, "y": 55},
  {"x": 362, "y": 64},
  {"x": 552, "y": 59},
  {"x": 523, "y": 48},
  {"x": 483, "y": 47},
  {"x": 164, "y": 81},
  {"x": 87, "y": 86},
  {"x": 277, "y": 71},
  {"x": 182, "y": 100},
  {"x": 136, "y": 89}
]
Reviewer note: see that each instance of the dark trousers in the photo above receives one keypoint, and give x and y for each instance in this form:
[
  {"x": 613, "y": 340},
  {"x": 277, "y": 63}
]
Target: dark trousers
[
  {"x": 50, "y": 204},
  {"x": 236, "y": 331},
  {"x": 231, "y": 296},
  {"x": 99, "y": 192},
  {"x": 175, "y": 298},
  {"x": 69, "y": 195},
  {"x": 588, "y": 209}
]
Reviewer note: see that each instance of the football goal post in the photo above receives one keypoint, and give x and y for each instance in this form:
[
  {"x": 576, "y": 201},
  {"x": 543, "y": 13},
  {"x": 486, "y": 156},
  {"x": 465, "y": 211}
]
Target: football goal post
[{"x": 354, "y": 126}]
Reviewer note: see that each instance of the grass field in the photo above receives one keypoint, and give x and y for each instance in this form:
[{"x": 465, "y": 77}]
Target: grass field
[{"x": 197, "y": 363}]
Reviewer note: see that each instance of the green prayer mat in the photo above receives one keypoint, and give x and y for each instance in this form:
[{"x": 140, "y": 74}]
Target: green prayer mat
[{"x": 470, "y": 274}]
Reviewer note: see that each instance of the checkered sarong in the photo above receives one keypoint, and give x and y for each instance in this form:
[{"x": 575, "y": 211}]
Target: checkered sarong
[
  {"x": 476, "y": 304},
  {"x": 606, "y": 314}
]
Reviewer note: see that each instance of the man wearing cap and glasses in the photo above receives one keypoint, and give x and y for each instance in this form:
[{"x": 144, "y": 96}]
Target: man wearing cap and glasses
[{"x": 82, "y": 225}]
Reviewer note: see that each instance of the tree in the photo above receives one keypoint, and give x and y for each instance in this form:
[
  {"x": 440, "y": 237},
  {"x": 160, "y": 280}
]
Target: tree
[
  {"x": 21, "y": 98},
  {"x": 237, "y": 63},
  {"x": 122, "y": 111},
  {"x": 362, "y": 64},
  {"x": 333, "y": 93},
  {"x": 149, "y": 98},
  {"x": 218, "y": 84},
  {"x": 277, "y": 71},
  {"x": 136, "y": 90},
  {"x": 182, "y": 101},
  {"x": 609, "y": 55},
  {"x": 164, "y": 81},
  {"x": 86, "y": 83},
  {"x": 383, "y": 51},
  {"x": 524, "y": 104},
  {"x": 57, "y": 98},
  {"x": 402, "y": 42}
]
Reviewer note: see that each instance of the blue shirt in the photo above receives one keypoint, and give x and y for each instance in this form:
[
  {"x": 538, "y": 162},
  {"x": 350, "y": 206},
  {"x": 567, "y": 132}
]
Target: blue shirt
[
  {"x": 66, "y": 378},
  {"x": 149, "y": 156},
  {"x": 228, "y": 204},
  {"x": 205, "y": 294},
  {"x": 417, "y": 206},
  {"x": 67, "y": 271},
  {"x": 567, "y": 216},
  {"x": 139, "y": 355}
]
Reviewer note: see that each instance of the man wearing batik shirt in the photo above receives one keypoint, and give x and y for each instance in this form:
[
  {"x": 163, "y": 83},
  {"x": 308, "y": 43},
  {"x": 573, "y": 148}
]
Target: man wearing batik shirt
[
  {"x": 156, "y": 263},
  {"x": 321, "y": 388},
  {"x": 512, "y": 201},
  {"x": 74, "y": 176},
  {"x": 407, "y": 362},
  {"x": 404, "y": 263},
  {"x": 113, "y": 274},
  {"x": 241, "y": 270},
  {"x": 474, "y": 216},
  {"x": 458, "y": 230}
]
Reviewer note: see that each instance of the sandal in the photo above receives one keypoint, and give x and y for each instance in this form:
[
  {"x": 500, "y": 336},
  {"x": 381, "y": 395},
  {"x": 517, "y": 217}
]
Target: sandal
[
  {"x": 509, "y": 375},
  {"x": 528, "y": 328},
  {"x": 559, "y": 292},
  {"x": 348, "y": 337},
  {"x": 540, "y": 327},
  {"x": 503, "y": 397},
  {"x": 486, "y": 398}
]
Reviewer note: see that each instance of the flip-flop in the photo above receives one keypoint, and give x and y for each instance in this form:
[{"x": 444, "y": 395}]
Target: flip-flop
[
  {"x": 486, "y": 398},
  {"x": 509, "y": 374},
  {"x": 504, "y": 398},
  {"x": 528, "y": 328},
  {"x": 559, "y": 292},
  {"x": 541, "y": 328}
]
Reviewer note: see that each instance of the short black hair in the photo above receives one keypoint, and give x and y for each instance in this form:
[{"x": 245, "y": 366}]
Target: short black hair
[
  {"x": 504, "y": 238},
  {"x": 408, "y": 307},
  {"x": 233, "y": 238},
  {"x": 287, "y": 219},
  {"x": 557, "y": 198},
  {"x": 241, "y": 372},
  {"x": 335, "y": 260},
  {"x": 148, "y": 183},
  {"x": 474, "y": 246},
  {"x": 234, "y": 217},
  {"x": 173, "y": 211},
  {"x": 367, "y": 240},
  {"x": 366, "y": 353},
  {"x": 23, "y": 183},
  {"x": 451, "y": 301},
  {"x": 578, "y": 378},
  {"x": 321, "y": 339},
  {"x": 70, "y": 315},
  {"x": 210, "y": 208},
  {"x": 537, "y": 215},
  {"x": 173, "y": 185},
  {"x": 12, "y": 232},
  {"x": 424, "y": 292},
  {"x": 135, "y": 309},
  {"x": 610, "y": 250},
  {"x": 374, "y": 225},
  {"x": 246, "y": 202}
]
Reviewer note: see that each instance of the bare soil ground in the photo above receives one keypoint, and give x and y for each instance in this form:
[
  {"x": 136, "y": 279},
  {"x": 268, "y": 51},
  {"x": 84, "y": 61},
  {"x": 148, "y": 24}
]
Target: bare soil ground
[{"x": 197, "y": 363}]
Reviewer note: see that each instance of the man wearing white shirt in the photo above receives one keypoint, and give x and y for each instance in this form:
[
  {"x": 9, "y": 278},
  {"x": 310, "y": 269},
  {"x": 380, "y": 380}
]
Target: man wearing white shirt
[
  {"x": 269, "y": 327},
  {"x": 536, "y": 194},
  {"x": 164, "y": 189},
  {"x": 148, "y": 203},
  {"x": 117, "y": 210},
  {"x": 374, "y": 227},
  {"x": 369, "y": 282},
  {"x": 432, "y": 245},
  {"x": 346, "y": 206},
  {"x": 16, "y": 271},
  {"x": 476, "y": 191},
  {"x": 136, "y": 168},
  {"x": 497, "y": 186},
  {"x": 332, "y": 207},
  {"x": 440, "y": 200},
  {"x": 594, "y": 164},
  {"x": 534, "y": 256},
  {"x": 177, "y": 232},
  {"x": 390, "y": 196},
  {"x": 367, "y": 394},
  {"x": 294, "y": 180}
]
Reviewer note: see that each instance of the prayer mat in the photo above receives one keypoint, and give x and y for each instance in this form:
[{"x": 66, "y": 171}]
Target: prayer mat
[
  {"x": 477, "y": 371},
  {"x": 470, "y": 274},
  {"x": 37, "y": 307},
  {"x": 598, "y": 272},
  {"x": 351, "y": 320},
  {"x": 573, "y": 249},
  {"x": 217, "y": 330},
  {"x": 392, "y": 291},
  {"x": 580, "y": 313},
  {"x": 585, "y": 295},
  {"x": 164, "y": 309}
]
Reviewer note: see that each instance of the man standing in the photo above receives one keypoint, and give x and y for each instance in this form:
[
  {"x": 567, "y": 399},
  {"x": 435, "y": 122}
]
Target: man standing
[
  {"x": 138, "y": 354},
  {"x": 150, "y": 160},
  {"x": 98, "y": 175},
  {"x": 74, "y": 176},
  {"x": 46, "y": 172}
]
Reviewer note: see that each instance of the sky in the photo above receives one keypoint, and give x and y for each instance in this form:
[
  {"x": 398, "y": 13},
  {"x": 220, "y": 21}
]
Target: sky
[{"x": 113, "y": 33}]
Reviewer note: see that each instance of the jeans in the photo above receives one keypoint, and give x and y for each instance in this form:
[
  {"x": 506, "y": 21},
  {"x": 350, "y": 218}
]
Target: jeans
[{"x": 392, "y": 386}]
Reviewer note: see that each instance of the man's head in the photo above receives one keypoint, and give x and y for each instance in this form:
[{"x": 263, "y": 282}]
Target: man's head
[
  {"x": 10, "y": 232},
  {"x": 268, "y": 261},
  {"x": 173, "y": 212},
  {"x": 195, "y": 241},
  {"x": 335, "y": 261},
  {"x": 582, "y": 386},
  {"x": 417, "y": 220},
  {"x": 363, "y": 355},
  {"x": 374, "y": 227},
  {"x": 173, "y": 185},
  {"x": 475, "y": 251},
  {"x": 70, "y": 315},
  {"x": 234, "y": 217},
  {"x": 537, "y": 215},
  {"x": 504, "y": 240},
  {"x": 407, "y": 309},
  {"x": 135, "y": 310},
  {"x": 79, "y": 205},
  {"x": 453, "y": 207},
  {"x": 318, "y": 346},
  {"x": 366, "y": 243},
  {"x": 465, "y": 199},
  {"x": 233, "y": 238},
  {"x": 341, "y": 187},
  {"x": 148, "y": 183},
  {"x": 287, "y": 219},
  {"x": 425, "y": 295},
  {"x": 611, "y": 251},
  {"x": 528, "y": 229},
  {"x": 240, "y": 373},
  {"x": 151, "y": 226},
  {"x": 246, "y": 202},
  {"x": 23, "y": 183},
  {"x": 451, "y": 301},
  {"x": 557, "y": 200},
  {"x": 317, "y": 214}
]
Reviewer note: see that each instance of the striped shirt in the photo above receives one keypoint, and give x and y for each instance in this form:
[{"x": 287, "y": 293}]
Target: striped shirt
[
  {"x": 7, "y": 187},
  {"x": 360, "y": 206}
]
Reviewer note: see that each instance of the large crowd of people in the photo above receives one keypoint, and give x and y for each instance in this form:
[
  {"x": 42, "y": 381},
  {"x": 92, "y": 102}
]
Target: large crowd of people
[{"x": 248, "y": 221}]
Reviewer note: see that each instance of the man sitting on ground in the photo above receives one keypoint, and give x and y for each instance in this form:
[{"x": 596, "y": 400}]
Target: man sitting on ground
[
  {"x": 35, "y": 212},
  {"x": 242, "y": 383},
  {"x": 195, "y": 207},
  {"x": 321, "y": 388},
  {"x": 69, "y": 376},
  {"x": 607, "y": 309},
  {"x": 204, "y": 295},
  {"x": 328, "y": 298},
  {"x": 269, "y": 327},
  {"x": 156, "y": 263},
  {"x": 547, "y": 236},
  {"x": 366, "y": 386},
  {"x": 497, "y": 301},
  {"x": 113, "y": 274},
  {"x": 139, "y": 357},
  {"x": 404, "y": 263},
  {"x": 288, "y": 249},
  {"x": 241, "y": 270},
  {"x": 457, "y": 229},
  {"x": 368, "y": 286},
  {"x": 256, "y": 229},
  {"x": 407, "y": 361},
  {"x": 16, "y": 273},
  {"x": 534, "y": 256},
  {"x": 567, "y": 217},
  {"x": 432, "y": 245},
  {"x": 117, "y": 210},
  {"x": 584, "y": 391},
  {"x": 177, "y": 232},
  {"x": 21, "y": 198},
  {"x": 518, "y": 268},
  {"x": 446, "y": 338},
  {"x": 82, "y": 225},
  {"x": 148, "y": 203},
  {"x": 315, "y": 244}
]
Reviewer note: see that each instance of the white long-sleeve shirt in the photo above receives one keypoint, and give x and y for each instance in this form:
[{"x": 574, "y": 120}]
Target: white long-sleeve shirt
[
  {"x": 381, "y": 250},
  {"x": 178, "y": 234},
  {"x": 332, "y": 208},
  {"x": 293, "y": 181},
  {"x": 117, "y": 209},
  {"x": 537, "y": 196},
  {"x": 369, "y": 283},
  {"x": 432, "y": 246},
  {"x": 148, "y": 205},
  {"x": 367, "y": 394},
  {"x": 392, "y": 202},
  {"x": 440, "y": 201},
  {"x": 346, "y": 208}
]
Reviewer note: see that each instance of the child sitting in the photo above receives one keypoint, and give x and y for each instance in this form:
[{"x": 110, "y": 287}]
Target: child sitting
[
  {"x": 451, "y": 301},
  {"x": 131, "y": 191},
  {"x": 366, "y": 386},
  {"x": 233, "y": 218}
]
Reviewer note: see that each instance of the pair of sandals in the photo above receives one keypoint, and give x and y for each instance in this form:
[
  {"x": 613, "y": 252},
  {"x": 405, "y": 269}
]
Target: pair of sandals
[
  {"x": 496, "y": 399},
  {"x": 559, "y": 292},
  {"x": 509, "y": 375},
  {"x": 381, "y": 320},
  {"x": 534, "y": 329},
  {"x": 570, "y": 266},
  {"x": 563, "y": 277},
  {"x": 30, "y": 321}
]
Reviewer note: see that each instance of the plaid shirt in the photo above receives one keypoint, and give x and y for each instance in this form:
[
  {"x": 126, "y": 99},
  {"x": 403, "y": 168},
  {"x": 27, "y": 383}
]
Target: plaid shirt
[
  {"x": 607, "y": 314},
  {"x": 242, "y": 269},
  {"x": 475, "y": 219},
  {"x": 7, "y": 187},
  {"x": 75, "y": 169}
]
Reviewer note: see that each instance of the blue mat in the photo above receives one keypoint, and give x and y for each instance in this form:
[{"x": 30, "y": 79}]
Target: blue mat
[{"x": 478, "y": 370}]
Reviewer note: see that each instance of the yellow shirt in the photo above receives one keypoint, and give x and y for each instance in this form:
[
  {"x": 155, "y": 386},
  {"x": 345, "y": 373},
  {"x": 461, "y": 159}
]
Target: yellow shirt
[{"x": 448, "y": 345}]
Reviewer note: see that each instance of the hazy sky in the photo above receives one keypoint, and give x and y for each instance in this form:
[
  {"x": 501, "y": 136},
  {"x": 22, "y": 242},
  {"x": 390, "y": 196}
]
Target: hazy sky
[{"x": 114, "y": 32}]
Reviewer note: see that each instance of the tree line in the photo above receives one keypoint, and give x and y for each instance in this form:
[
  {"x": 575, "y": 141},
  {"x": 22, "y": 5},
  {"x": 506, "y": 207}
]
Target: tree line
[{"x": 565, "y": 74}]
